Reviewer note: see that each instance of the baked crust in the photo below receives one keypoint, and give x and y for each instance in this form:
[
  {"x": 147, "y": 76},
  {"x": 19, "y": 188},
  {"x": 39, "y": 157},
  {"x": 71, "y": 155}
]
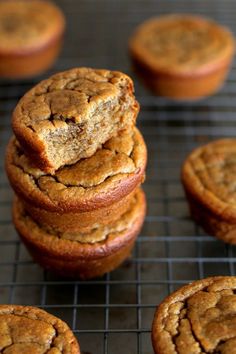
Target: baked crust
[
  {"x": 79, "y": 254},
  {"x": 182, "y": 88},
  {"x": 28, "y": 65},
  {"x": 182, "y": 56},
  {"x": 68, "y": 116},
  {"x": 31, "y": 34},
  {"x": 208, "y": 176},
  {"x": 199, "y": 317},
  {"x": 119, "y": 166},
  {"x": 25, "y": 329},
  {"x": 79, "y": 221}
]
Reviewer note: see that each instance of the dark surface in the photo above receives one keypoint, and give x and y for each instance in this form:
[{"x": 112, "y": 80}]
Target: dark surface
[{"x": 113, "y": 315}]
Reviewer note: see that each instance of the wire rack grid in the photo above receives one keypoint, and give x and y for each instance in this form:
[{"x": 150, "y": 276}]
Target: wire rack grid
[{"x": 114, "y": 314}]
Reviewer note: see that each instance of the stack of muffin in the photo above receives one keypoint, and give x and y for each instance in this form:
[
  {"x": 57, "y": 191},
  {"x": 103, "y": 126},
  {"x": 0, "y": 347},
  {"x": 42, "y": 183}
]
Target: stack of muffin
[{"x": 76, "y": 164}]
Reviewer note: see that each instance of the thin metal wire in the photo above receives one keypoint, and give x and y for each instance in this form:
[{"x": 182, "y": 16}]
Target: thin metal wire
[
  {"x": 171, "y": 250},
  {"x": 107, "y": 307},
  {"x": 75, "y": 300},
  {"x": 44, "y": 290},
  {"x": 14, "y": 274},
  {"x": 138, "y": 298}
]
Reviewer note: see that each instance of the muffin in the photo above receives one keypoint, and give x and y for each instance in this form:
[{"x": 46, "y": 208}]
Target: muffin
[
  {"x": 70, "y": 115},
  {"x": 208, "y": 177},
  {"x": 94, "y": 191},
  {"x": 31, "y": 34},
  {"x": 82, "y": 255},
  {"x": 182, "y": 56},
  {"x": 29, "y": 330},
  {"x": 197, "y": 318}
]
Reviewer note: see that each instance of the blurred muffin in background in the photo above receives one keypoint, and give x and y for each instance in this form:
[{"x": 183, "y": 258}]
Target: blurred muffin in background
[
  {"x": 182, "y": 56},
  {"x": 31, "y": 35}
]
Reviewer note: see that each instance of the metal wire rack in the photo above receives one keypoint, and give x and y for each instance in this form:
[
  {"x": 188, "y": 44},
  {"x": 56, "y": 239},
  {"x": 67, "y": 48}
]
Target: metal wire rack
[{"x": 114, "y": 314}]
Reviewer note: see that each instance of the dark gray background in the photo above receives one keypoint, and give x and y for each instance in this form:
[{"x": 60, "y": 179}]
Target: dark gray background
[{"x": 113, "y": 315}]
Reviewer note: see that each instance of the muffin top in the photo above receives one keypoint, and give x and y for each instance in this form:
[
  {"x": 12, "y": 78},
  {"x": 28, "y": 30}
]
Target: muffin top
[
  {"x": 25, "y": 329},
  {"x": 208, "y": 174},
  {"x": 69, "y": 115},
  {"x": 28, "y": 25},
  {"x": 111, "y": 173},
  {"x": 200, "y": 316},
  {"x": 71, "y": 96},
  {"x": 181, "y": 44}
]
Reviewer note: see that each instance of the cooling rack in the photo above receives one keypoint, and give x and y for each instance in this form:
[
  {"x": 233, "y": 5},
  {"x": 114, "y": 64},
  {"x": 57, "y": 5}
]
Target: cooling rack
[{"x": 113, "y": 315}]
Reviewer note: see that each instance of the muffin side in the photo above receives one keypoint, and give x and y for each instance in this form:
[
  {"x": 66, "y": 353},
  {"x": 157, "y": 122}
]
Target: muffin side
[
  {"x": 208, "y": 179},
  {"x": 211, "y": 223},
  {"x": 180, "y": 87},
  {"x": 79, "y": 221},
  {"x": 82, "y": 255}
]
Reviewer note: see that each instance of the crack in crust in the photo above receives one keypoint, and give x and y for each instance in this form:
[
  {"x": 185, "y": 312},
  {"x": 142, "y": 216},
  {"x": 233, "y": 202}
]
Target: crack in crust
[
  {"x": 121, "y": 160},
  {"x": 31, "y": 330},
  {"x": 181, "y": 43},
  {"x": 200, "y": 316},
  {"x": 208, "y": 174},
  {"x": 68, "y": 116}
]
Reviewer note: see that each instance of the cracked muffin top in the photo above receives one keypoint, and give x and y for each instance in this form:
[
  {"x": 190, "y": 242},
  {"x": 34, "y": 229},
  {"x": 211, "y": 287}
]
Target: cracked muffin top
[
  {"x": 111, "y": 173},
  {"x": 181, "y": 44},
  {"x": 28, "y": 25},
  {"x": 198, "y": 318},
  {"x": 208, "y": 174},
  {"x": 29, "y": 330},
  {"x": 68, "y": 116}
]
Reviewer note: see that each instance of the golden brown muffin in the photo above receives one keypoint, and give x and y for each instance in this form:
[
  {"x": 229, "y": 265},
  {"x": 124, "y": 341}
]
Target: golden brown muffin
[
  {"x": 182, "y": 56},
  {"x": 208, "y": 176},
  {"x": 30, "y": 36},
  {"x": 70, "y": 200},
  {"x": 68, "y": 116},
  {"x": 197, "y": 318},
  {"x": 29, "y": 330},
  {"x": 83, "y": 255}
]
